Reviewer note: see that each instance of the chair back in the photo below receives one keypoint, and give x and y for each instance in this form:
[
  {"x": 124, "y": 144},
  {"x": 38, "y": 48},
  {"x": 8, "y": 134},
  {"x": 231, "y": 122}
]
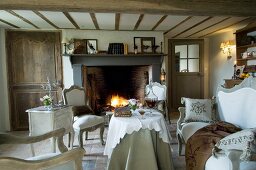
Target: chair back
[
  {"x": 158, "y": 89},
  {"x": 74, "y": 96},
  {"x": 237, "y": 105}
]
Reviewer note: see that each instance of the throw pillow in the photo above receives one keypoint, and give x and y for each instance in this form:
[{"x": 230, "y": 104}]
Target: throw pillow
[
  {"x": 244, "y": 141},
  {"x": 198, "y": 110}
]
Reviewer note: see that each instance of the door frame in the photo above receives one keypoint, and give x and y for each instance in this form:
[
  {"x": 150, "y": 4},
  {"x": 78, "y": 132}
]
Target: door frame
[{"x": 171, "y": 59}]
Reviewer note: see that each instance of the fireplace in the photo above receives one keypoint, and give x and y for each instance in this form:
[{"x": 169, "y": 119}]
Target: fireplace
[
  {"x": 122, "y": 75},
  {"x": 105, "y": 82}
]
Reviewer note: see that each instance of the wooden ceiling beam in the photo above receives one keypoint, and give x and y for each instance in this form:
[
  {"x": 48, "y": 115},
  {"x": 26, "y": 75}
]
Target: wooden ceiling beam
[
  {"x": 209, "y": 26},
  {"x": 117, "y": 21},
  {"x": 22, "y": 18},
  {"x": 159, "y": 22},
  {"x": 94, "y": 20},
  {"x": 71, "y": 20},
  {"x": 138, "y": 22},
  {"x": 193, "y": 26},
  {"x": 246, "y": 19},
  {"x": 171, "y": 7},
  {"x": 178, "y": 24},
  {"x": 47, "y": 20},
  {"x": 8, "y": 23}
]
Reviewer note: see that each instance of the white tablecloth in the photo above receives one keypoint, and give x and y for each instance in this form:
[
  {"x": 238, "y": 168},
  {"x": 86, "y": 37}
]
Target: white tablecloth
[{"x": 120, "y": 126}]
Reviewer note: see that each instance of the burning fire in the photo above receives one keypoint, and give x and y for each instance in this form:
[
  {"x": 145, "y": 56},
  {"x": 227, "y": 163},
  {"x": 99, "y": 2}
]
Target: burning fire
[{"x": 117, "y": 101}]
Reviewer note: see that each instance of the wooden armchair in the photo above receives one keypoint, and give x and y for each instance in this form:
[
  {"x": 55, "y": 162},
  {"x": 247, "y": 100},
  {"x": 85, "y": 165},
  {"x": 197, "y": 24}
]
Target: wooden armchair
[
  {"x": 65, "y": 160},
  {"x": 84, "y": 118}
]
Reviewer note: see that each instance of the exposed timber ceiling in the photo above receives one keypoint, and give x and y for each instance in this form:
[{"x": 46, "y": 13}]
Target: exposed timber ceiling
[{"x": 175, "y": 18}]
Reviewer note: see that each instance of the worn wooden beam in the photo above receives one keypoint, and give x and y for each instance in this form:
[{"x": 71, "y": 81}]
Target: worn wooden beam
[
  {"x": 174, "y": 7},
  {"x": 8, "y": 23},
  {"x": 138, "y": 22},
  {"x": 22, "y": 18},
  {"x": 94, "y": 20},
  {"x": 178, "y": 24},
  {"x": 246, "y": 19},
  {"x": 71, "y": 20},
  {"x": 159, "y": 22},
  {"x": 47, "y": 20},
  {"x": 117, "y": 21},
  {"x": 209, "y": 26},
  {"x": 193, "y": 26}
]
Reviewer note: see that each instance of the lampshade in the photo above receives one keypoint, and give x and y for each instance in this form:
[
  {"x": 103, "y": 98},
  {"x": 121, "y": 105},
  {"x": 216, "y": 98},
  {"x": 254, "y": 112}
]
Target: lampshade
[{"x": 64, "y": 41}]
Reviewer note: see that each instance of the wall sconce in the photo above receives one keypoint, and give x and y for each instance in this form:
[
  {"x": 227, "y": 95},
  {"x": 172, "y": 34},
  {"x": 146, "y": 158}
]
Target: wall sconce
[
  {"x": 65, "y": 42},
  {"x": 226, "y": 48},
  {"x": 163, "y": 76}
]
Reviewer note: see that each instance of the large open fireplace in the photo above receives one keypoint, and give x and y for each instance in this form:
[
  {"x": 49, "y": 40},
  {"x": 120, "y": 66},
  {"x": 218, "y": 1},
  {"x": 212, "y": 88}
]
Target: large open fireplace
[{"x": 122, "y": 76}]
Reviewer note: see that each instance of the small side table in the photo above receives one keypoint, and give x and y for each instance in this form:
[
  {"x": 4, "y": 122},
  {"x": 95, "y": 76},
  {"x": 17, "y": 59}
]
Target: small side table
[{"x": 42, "y": 120}]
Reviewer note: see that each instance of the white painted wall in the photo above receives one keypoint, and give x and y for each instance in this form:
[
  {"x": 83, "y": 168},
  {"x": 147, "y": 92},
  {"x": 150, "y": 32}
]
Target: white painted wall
[
  {"x": 104, "y": 38},
  {"x": 220, "y": 67},
  {"x": 4, "y": 108}
]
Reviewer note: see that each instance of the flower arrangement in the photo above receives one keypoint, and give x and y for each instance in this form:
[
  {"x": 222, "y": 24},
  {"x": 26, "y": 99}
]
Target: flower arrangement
[
  {"x": 133, "y": 104},
  {"x": 47, "y": 100}
]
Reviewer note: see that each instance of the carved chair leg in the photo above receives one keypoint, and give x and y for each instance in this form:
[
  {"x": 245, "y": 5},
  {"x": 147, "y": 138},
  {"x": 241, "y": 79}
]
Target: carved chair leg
[
  {"x": 101, "y": 134},
  {"x": 179, "y": 144},
  {"x": 80, "y": 139}
]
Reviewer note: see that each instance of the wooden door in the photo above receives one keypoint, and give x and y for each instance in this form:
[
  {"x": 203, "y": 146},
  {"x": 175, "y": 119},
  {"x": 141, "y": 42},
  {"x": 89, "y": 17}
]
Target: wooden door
[
  {"x": 186, "y": 70},
  {"x": 31, "y": 56}
]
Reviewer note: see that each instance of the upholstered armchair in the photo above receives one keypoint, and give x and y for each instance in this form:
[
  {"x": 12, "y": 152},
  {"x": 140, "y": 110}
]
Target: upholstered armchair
[
  {"x": 200, "y": 113},
  {"x": 71, "y": 160},
  {"x": 84, "y": 118},
  {"x": 160, "y": 91}
]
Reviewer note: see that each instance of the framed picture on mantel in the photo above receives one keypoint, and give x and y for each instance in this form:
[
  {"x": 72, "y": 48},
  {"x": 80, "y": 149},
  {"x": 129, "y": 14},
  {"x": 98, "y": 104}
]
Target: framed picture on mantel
[
  {"x": 91, "y": 46},
  {"x": 144, "y": 44}
]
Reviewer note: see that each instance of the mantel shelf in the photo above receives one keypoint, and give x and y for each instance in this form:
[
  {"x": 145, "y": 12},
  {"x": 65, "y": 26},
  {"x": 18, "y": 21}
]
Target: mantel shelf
[{"x": 116, "y": 55}]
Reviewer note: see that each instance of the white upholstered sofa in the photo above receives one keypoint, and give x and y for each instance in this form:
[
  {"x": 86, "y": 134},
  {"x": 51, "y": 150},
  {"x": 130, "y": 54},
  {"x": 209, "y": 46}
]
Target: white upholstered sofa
[{"x": 237, "y": 106}]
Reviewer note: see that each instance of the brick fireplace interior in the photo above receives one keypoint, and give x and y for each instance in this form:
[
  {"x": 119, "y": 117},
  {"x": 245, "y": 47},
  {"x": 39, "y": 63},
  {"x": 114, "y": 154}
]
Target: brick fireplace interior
[{"x": 103, "y": 82}]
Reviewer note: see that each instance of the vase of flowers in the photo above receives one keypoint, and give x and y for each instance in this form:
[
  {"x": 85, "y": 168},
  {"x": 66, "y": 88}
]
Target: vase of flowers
[
  {"x": 47, "y": 100},
  {"x": 133, "y": 104}
]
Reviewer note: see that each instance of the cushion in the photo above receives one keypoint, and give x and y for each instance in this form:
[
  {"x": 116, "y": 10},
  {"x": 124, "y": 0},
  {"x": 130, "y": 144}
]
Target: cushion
[
  {"x": 86, "y": 121},
  {"x": 198, "y": 110},
  {"x": 82, "y": 110},
  {"x": 244, "y": 141}
]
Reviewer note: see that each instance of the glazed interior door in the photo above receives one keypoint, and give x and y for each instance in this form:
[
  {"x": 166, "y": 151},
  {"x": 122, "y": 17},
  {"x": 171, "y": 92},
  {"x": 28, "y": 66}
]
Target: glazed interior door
[
  {"x": 32, "y": 56},
  {"x": 186, "y": 70}
]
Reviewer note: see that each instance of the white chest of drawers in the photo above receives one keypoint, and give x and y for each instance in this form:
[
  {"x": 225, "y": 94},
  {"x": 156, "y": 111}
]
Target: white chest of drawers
[{"x": 42, "y": 120}]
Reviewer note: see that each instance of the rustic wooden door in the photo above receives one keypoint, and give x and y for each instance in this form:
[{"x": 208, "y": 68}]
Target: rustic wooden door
[
  {"x": 186, "y": 70},
  {"x": 31, "y": 56}
]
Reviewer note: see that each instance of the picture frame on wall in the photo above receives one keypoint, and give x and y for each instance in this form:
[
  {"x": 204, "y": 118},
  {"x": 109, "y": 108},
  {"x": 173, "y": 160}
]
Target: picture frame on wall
[{"x": 91, "y": 46}]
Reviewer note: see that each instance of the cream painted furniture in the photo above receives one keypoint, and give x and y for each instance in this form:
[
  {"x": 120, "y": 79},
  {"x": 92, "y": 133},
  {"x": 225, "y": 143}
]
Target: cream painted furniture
[
  {"x": 75, "y": 96},
  {"x": 160, "y": 91},
  {"x": 237, "y": 106},
  {"x": 42, "y": 120},
  {"x": 134, "y": 143},
  {"x": 65, "y": 160}
]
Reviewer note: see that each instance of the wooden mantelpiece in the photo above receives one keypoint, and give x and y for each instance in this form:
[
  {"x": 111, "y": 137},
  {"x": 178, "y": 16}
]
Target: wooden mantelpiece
[{"x": 116, "y": 59}]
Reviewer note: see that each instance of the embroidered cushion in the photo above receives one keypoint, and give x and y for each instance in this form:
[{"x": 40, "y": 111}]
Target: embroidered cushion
[
  {"x": 244, "y": 141},
  {"x": 198, "y": 110}
]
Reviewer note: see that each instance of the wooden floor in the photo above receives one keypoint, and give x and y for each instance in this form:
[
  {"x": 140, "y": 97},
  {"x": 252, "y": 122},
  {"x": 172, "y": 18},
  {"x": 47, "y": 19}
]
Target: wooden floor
[{"x": 94, "y": 158}]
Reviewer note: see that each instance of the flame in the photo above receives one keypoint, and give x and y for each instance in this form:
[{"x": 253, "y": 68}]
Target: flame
[{"x": 117, "y": 101}]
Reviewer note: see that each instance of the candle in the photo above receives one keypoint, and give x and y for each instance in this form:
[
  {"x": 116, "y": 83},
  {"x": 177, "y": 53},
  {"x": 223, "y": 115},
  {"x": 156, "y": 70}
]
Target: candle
[{"x": 235, "y": 62}]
